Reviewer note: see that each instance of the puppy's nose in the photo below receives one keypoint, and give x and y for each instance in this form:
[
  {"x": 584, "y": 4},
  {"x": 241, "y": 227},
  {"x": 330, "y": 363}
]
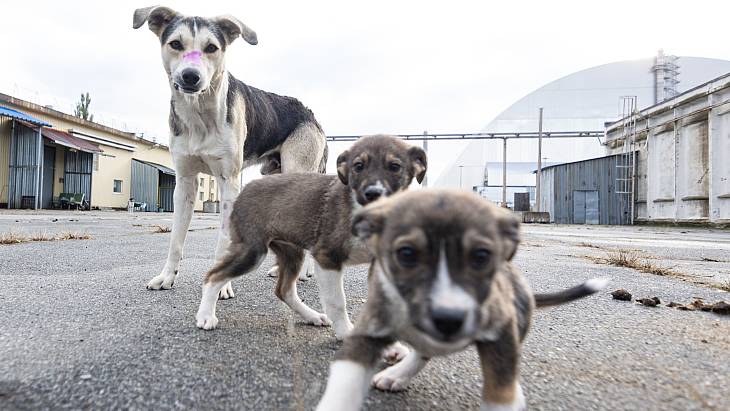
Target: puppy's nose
[
  {"x": 373, "y": 193},
  {"x": 448, "y": 320},
  {"x": 190, "y": 77}
]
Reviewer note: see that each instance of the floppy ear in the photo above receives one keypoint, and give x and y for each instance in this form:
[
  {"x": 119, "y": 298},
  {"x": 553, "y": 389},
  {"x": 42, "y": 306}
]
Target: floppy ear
[
  {"x": 419, "y": 162},
  {"x": 157, "y": 18},
  {"x": 509, "y": 228},
  {"x": 233, "y": 27},
  {"x": 342, "y": 169},
  {"x": 368, "y": 221}
]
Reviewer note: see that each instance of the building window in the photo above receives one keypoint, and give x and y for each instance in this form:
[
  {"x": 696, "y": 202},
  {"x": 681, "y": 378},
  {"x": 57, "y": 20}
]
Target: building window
[
  {"x": 201, "y": 195},
  {"x": 117, "y": 186},
  {"x": 212, "y": 184},
  {"x": 202, "y": 182}
]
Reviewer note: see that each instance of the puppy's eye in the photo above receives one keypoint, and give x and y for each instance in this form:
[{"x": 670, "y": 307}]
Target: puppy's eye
[
  {"x": 407, "y": 256},
  {"x": 394, "y": 167},
  {"x": 210, "y": 48},
  {"x": 176, "y": 45},
  {"x": 358, "y": 167},
  {"x": 480, "y": 258}
]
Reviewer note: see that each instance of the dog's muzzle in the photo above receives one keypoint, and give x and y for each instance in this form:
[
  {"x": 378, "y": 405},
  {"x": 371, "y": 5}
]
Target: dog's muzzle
[{"x": 188, "y": 81}]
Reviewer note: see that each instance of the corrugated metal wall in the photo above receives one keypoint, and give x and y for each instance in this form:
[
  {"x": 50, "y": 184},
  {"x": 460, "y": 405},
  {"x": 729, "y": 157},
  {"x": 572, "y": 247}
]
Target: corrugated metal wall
[
  {"x": 586, "y": 176},
  {"x": 5, "y": 129},
  {"x": 77, "y": 173},
  {"x": 167, "y": 189},
  {"x": 23, "y": 165},
  {"x": 145, "y": 183}
]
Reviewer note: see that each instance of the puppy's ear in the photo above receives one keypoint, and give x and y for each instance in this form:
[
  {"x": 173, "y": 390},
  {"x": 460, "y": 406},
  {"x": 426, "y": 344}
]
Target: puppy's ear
[
  {"x": 342, "y": 169},
  {"x": 419, "y": 162},
  {"x": 233, "y": 27},
  {"x": 368, "y": 222},
  {"x": 509, "y": 228},
  {"x": 157, "y": 18}
]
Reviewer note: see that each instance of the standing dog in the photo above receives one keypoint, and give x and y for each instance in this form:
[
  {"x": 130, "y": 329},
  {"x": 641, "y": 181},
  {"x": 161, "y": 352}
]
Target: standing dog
[
  {"x": 219, "y": 125},
  {"x": 441, "y": 280},
  {"x": 293, "y": 213}
]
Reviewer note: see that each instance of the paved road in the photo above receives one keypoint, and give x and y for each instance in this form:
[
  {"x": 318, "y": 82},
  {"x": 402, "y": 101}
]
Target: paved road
[{"x": 78, "y": 329}]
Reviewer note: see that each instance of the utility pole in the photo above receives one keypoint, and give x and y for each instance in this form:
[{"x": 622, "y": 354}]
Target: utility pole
[
  {"x": 539, "y": 164},
  {"x": 504, "y": 172}
]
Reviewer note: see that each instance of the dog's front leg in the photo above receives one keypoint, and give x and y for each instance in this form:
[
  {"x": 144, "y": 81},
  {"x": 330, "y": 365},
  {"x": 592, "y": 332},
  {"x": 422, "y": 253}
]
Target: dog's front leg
[
  {"x": 500, "y": 362},
  {"x": 184, "y": 202},
  {"x": 332, "y": 295},
  {"x": 350, "y": 374},
  {"x": 398, "y": 376},
  {"x": 229, "y": 189}
]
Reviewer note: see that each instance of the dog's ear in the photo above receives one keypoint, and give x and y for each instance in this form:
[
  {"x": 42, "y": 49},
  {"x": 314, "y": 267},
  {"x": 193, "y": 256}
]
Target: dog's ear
[
  {"x": 233, "y": 27},
  {"x": 419, "y": 162},
  {"x": 509, "y": 228},
  {"x": 342, "y": 168},
  {"x": 157, "y": 18},
  {"x": 368, "y": 221}
]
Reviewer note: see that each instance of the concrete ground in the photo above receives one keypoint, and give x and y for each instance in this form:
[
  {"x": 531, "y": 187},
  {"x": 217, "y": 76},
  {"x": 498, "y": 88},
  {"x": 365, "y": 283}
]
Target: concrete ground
[{"x": 79, "y": 330}]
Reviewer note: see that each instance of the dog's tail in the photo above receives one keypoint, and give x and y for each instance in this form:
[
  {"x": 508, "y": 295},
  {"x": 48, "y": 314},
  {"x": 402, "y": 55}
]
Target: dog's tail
[
  {"x": 589, "y": 287},
  {"x": 235, "y": 264},
  {"x": 323, "y": 163}
]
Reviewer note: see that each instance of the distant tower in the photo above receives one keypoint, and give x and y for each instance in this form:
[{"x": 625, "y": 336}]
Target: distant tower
[{"x": 666, "y": 73}]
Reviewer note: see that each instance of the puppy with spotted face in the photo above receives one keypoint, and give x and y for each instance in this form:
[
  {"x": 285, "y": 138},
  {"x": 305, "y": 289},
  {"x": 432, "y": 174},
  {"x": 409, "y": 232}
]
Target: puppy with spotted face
[
  {"x": 293, "y": 213},
  {"x": 442, "y": 280}
]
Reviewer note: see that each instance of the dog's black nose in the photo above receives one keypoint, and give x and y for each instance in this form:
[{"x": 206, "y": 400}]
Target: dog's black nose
[
  {"x": 190, "y": 77},
  {"x": 448, "y": 320},
  {"x": 372, "y": 193}
]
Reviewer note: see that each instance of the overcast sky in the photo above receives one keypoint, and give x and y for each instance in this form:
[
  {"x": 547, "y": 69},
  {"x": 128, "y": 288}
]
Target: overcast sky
[{"x": 362, "y": 67}]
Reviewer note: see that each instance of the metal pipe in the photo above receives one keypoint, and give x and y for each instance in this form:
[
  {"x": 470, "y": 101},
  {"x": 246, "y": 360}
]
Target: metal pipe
[
  {"x": 504, "y": 172},
  {"x": 482, "y": 136},
  {"x": 11, "y": 186},
  {"x": 539, "y": 164}
]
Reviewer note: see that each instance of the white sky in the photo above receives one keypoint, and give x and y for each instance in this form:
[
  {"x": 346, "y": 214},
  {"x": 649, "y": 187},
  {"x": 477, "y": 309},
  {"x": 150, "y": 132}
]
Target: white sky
[{"x": 363, "y": 68}]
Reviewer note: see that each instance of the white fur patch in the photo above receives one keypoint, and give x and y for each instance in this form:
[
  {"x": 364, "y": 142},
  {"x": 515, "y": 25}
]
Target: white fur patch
[
  {"x": 446, "y": 294},
  {"x": 397, "y": 377},
  {"x": 597, "y": 284},
  {"x": 347, "y": 387},
  {"x": 332, "y": 294},
  {"x": 519, "y": 403}
]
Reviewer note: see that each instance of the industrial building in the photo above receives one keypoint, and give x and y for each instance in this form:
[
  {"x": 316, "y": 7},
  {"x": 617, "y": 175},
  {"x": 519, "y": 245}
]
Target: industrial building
[{"x": 44, "y": 153}]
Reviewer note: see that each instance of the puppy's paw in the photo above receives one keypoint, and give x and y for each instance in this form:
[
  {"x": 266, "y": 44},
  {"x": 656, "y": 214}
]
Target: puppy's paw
[
  {"x": 396, "y": 352},
  {"x": 226, "y": 292},
  {"x": 318, "y": 319},
  {"x": 391, "y": 379},
  {"x": 519, "y": 404},
  {"x": 273, "y": 271},
  {"x": 162, "y": 282},
  {"x": 343, "y": 329},
  {"x": 206, "y": 321}
]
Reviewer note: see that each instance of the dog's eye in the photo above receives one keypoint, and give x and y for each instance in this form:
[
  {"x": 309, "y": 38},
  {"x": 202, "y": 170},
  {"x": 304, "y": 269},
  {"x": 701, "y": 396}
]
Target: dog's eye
[
  {"x": 407, "y": 256},
  {"x": 358, "y": 167},
  {"x": 479, "y": 258},
  {"x": 394, "y": 167},
  {"x": 176, "y": 45},
  {"x": 211, "y": 48}
]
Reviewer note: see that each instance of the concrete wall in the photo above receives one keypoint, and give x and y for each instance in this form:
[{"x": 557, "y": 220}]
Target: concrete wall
[{"x": 683, "y": 167}]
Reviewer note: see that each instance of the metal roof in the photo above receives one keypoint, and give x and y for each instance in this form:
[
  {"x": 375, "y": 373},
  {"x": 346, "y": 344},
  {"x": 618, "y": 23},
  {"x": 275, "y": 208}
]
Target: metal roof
[
  {"x": 66, "y": 139},
  {"x": 17, "y": 115},
  {"x": 160, "y": 167}
]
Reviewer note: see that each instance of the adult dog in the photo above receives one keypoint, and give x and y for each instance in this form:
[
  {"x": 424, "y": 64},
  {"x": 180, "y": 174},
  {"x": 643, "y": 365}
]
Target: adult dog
[
  {"x": 219, "y": 125},
  {"x": 296, "y": 212},
  {"x": 442, "y": 280}
]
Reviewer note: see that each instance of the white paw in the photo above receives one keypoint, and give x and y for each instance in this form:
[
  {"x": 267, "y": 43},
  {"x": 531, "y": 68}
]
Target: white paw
[
  {"x": 343, "y": 329},
  {"x": 162, "y": 282},
  {"x": 318, "y": 319},
  {"x": 273, "y": 271},
  {"x": 226, "y": 292},
  {"x": 391, "y": 380},
  {"x": 206, "y": 321},
  {"x": 396, "y": 352},
  {"x": 519, "y": 404}
]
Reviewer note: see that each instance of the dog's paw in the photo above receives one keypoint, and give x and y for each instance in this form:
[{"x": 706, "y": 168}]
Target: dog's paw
[
  {"x": 390, "y": 379},
  {"x": 226, "y": 292},
  {"x": 206, "y": 321},
  {"x": 343, "y": 329},
  {"x": 273, "y": 271},
  {"x": 395, "y": 352},
  {"x": 519, "y": 404},
  {"x": 318, "y": 319},
  {"x": 162, "y": 282}
]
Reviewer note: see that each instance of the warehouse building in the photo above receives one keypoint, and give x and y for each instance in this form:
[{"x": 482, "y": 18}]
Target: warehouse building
[{"x": 45, "y": 155}]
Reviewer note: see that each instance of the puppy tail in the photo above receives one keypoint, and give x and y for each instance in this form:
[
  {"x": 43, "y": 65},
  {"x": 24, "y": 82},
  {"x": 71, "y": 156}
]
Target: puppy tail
[
  {"x": 589, "y": 287},
  {"x": 235, "y": 264}
]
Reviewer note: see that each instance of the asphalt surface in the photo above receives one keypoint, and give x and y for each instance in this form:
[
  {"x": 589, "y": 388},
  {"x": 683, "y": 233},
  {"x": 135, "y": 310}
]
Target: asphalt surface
[{"x": 78, "y": 329}]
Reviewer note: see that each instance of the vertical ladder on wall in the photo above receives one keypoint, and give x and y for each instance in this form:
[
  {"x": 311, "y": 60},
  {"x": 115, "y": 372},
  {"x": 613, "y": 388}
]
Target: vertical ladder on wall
[{"x": 626, "y": 160}]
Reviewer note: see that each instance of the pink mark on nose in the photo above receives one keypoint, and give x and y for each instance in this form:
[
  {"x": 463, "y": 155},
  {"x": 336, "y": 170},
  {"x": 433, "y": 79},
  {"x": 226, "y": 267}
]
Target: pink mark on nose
[{"x": 192, "y": 56}]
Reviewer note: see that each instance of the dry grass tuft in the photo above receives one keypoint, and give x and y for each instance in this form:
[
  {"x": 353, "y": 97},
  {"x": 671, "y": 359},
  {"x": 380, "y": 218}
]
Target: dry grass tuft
[
  {"x": 15, "y": 238},
  {"x": 587, "y": 245},
  {"x": 161, "y": 229},
  {"x": 631, "y": 259},
  {"x": 723, "y": 286}
]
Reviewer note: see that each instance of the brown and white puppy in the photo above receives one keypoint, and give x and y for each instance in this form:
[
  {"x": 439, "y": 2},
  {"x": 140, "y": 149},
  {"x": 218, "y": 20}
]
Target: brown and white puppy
[
  {"x": 441, "y": 280},
  {"x": 289, "y": 214}
]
